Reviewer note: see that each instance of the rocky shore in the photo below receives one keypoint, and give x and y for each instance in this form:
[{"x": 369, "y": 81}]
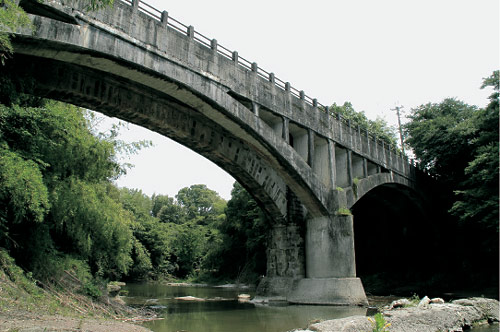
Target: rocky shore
[{"x": 424, "y": 316}]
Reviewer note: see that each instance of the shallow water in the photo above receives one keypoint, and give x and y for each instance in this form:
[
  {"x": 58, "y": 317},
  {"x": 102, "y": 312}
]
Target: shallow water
[
  {"x": 221, "y": 312},
  {"x": 487, "y": 328}
]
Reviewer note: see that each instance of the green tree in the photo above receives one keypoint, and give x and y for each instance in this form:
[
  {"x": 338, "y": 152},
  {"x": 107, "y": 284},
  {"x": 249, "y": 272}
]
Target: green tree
[
  {"x": 378, "y": 127},
  {"x": 171, "y": 211},
  {"x": 201, "y": 204},
  {"x": 477, "y": 195},
  {"x": 242, "y": 241},
  {"x": 441, "y": 137},
  {"x": 56, "y": 197},
  {"x": 458, "y": 145}
]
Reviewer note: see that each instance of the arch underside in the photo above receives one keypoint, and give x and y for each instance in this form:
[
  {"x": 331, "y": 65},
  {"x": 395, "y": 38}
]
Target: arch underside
[
  {"x": 124, "y": 99},
  {"x": 364, "y": 186},
  {"x": 394, "y": 238},
  {"x": 168, "y": 83}
]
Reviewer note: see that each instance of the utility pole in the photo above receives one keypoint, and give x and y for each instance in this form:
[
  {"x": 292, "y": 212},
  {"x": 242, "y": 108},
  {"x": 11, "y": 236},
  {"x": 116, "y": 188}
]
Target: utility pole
[{"x": 397, "y": 109}]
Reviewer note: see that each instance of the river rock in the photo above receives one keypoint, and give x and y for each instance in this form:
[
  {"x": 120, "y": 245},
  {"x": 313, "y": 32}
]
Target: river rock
[
  {"x": 189, "y": 298},
  {"x": 113, "y": 289},
  {"x": 400, "y": 303},
  {"x": 424, "y": 302},
  {"x": 432, "y": 318},
  {"x": 437, "y": 300},
  {"x": 244, "y": 298}
]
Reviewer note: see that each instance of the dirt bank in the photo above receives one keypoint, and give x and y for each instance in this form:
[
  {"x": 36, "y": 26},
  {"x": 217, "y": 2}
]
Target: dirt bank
[{"x": 22, "y": 321}]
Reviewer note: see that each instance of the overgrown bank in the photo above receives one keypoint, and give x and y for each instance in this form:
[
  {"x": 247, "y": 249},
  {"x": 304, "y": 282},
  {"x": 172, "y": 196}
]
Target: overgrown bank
[
  {"x": 60, "y": 210},
  {"x": 61, "y": 305}
]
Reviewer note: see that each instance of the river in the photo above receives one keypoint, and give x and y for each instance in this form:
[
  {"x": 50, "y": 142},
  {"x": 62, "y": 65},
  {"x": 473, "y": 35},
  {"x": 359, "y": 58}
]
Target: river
[{"x": 220, "y": 310}]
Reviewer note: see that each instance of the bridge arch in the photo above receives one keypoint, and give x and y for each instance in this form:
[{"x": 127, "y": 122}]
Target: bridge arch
[
  {"x": 291, "y": 153},
  {"x": 393, "y": 236}
]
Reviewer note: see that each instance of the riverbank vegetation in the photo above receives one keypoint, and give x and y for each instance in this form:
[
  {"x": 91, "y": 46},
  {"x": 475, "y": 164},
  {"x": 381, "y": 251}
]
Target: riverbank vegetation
[
  {"x": 60, "y": 210},
  {"x": 458, "y": 144}
]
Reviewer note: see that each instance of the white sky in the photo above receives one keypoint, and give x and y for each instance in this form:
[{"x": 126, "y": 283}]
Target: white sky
[{"x": 375, "y": 54}]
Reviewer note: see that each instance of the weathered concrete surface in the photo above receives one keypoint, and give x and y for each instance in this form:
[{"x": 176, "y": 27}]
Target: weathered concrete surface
[
  {"x": 455, "y": 316},
  {"x": 320, "y": 291},
  {"x": 330, "y": 247},
  {"x": 328, "y": 291},
  {"x": 290, "y": 154}
]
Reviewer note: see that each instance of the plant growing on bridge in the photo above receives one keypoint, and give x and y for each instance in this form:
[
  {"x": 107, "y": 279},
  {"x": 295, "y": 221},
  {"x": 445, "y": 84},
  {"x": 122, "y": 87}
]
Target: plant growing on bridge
[
  {"x": 355, "y": 184},
  {"x": 343, "y": 211},
  {"x": 379, "y": 323},
  {"x": 12, "y": 17}
]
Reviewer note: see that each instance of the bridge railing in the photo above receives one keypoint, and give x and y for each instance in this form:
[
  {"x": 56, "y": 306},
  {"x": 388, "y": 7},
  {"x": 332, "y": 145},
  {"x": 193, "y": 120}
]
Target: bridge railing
[{"x": 390, "y": 156}]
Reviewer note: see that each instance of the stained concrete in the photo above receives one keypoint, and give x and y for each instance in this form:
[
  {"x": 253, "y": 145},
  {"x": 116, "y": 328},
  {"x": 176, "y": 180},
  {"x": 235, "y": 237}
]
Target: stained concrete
[{"x": 298, "y": 160}]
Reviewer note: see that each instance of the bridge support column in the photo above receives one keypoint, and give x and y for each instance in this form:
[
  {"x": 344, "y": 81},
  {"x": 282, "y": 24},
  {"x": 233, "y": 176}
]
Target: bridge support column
[{"x": 330, "y": 264}]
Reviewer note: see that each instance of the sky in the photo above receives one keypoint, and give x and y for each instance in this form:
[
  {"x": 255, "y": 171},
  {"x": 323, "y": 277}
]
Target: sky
[{"x": 374, "y": 54}]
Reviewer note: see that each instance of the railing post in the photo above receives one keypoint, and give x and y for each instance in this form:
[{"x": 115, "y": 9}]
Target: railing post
[
  {"x": 213, "y": 45},
  {"x": 349, "y": 126},
  {"x": 384, "y": 158},
  {"x": 389, "y": 158},
  {"x": 255, "y": 67},
  {"x": 190, "y": 32},
  {"x": 135, "y": 5},
  {"x": 359, "y": 137},
  {"x": 235, "y": 57},
  {"x": 368, "y": 149},
  {"x": 164, "y": 18},
  {"x": 272, "y": 78},
  {"x": 341, "y": 129},
  {"x": 287, "y": 86},
  {"x": 315, "y": 103},
  {"x": 302, "y": 95}
]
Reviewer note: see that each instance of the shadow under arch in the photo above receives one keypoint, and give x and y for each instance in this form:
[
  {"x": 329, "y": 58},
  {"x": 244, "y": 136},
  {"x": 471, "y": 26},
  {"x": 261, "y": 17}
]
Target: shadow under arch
[{"x": 393, "y": 238}]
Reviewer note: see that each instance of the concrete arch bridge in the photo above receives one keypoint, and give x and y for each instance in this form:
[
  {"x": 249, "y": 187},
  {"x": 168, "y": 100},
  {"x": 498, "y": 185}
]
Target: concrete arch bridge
[{"x": 305, "y": 166}]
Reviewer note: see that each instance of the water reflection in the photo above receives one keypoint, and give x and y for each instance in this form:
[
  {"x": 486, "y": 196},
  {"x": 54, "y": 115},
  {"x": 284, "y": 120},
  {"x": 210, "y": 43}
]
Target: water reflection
[{"x": 221, "y": 312}]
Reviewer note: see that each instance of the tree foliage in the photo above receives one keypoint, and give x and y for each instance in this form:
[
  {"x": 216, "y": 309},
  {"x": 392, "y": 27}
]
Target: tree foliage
[
  {"x": 12, "y": 17},
  {"x": 56, "y": 196},
  {"x": 377, "y": 127},
  {"x": 458, "y": 144},
  {"x": 477, "y": 196},
  {"x": 59, "y": 208},
  {"x": 243, "y": 234}
]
